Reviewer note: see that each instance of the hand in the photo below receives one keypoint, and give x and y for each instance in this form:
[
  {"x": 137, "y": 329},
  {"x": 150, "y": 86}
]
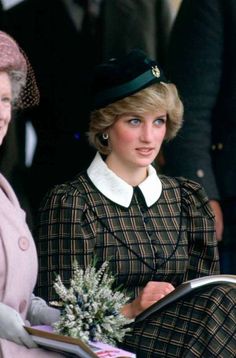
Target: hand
[
  {"x": 218, "y": 219},
  {"x": 151, "y": 293},
  {"x": 12, "y": 327},
  {"x": 40, "y": 313}
]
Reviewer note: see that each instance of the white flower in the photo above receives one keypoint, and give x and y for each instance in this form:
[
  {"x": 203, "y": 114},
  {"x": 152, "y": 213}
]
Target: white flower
[{"x": 91, "y": 309}]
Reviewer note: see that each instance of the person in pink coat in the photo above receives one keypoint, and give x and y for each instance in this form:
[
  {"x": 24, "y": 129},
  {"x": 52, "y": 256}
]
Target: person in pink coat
[{"x": 18, "y": 256}]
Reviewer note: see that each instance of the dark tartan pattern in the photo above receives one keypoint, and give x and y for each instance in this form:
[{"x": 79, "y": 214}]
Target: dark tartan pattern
[{"x": 172, "y": 241}]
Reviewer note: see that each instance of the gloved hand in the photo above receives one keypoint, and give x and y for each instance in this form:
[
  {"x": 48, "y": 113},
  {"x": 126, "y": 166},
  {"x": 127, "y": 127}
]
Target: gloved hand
[
  {"x": 40, "y": 313},
  {"x": 11, "y": 327}
]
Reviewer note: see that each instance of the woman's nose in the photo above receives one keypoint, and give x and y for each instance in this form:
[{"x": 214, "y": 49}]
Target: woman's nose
[{"x": 147, "y": 133}]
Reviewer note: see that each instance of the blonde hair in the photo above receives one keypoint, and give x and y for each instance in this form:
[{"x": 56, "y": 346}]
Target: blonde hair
[{"x": 160, "y": 96}]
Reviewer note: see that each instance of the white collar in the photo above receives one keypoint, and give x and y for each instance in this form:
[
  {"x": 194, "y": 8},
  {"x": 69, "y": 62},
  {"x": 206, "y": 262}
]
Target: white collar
[{"x": 117, "y": 190}]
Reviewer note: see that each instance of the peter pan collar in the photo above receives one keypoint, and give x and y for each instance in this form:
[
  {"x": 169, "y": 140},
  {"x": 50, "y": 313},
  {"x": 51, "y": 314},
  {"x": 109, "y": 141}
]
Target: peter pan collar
[{"x": 117, "y": 190}]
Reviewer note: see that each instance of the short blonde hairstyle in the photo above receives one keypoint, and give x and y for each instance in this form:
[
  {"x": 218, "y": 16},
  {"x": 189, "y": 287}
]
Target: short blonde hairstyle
[{"x": 160, "y": 96}]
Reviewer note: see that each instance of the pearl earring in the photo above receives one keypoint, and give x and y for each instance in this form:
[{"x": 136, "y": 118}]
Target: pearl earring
[{"x": 105, "y": 136}]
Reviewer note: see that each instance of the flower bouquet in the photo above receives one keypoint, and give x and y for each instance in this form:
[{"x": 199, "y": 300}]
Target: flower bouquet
[{"x": 90, "y": 307}]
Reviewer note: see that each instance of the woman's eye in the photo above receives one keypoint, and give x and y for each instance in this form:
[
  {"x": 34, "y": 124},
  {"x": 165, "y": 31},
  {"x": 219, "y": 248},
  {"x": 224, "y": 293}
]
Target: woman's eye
[
  {"x": 160, "y": 121},
  {"x": 134, "y": 121},
  {"x": 6, "y": 99}
]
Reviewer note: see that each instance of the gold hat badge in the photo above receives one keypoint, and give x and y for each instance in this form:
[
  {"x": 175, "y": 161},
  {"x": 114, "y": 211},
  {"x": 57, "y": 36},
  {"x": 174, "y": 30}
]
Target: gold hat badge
[{"x": 155, "y": 71}]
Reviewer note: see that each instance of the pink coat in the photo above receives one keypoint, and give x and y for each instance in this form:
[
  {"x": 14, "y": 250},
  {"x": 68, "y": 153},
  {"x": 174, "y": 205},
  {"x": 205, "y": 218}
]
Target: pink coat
[{"x": 18, "y": 267}]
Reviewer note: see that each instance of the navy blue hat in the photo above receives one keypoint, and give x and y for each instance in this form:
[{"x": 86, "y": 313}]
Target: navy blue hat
[{"x": 119, "y": 78}]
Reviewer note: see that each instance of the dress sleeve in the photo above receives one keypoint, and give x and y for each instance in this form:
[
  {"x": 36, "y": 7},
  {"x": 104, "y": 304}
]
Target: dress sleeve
[
  {"x": 202, "y": 244},
  {"x": 65, "y": 231}
]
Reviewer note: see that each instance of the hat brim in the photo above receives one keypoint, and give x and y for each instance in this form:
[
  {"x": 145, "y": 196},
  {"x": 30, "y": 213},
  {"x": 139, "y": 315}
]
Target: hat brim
[{"x": 116, "y": 93}]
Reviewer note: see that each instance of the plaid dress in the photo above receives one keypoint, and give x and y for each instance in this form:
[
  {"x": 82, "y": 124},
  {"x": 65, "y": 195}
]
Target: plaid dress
[{"x": 172, "y": 240}]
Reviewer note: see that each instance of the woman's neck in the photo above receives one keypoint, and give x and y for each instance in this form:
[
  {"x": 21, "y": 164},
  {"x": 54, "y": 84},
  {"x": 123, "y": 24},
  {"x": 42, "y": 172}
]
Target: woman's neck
[{"x": 131, "y": 175}]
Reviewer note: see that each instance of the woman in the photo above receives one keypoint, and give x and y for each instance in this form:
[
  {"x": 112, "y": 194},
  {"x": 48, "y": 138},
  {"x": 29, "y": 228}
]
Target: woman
[
  {"x": 18, "y": 258},
  {"x": 156, "y": 231}
]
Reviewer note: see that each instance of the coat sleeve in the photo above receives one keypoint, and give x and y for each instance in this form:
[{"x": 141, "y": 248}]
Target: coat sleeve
[
  {"x": 194, "y": 64},
  {"x": 202, "y": 244},
  {"x": 66, "y": 231}
]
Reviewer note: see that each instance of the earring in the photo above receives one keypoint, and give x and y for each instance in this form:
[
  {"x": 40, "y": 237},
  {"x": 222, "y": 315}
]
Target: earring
[{"x": 105, "y": 136}]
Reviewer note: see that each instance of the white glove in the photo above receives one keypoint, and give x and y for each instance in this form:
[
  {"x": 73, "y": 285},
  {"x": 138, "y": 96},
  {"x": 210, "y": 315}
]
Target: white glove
[
  {"x": 40, "y": 313},
  {"x": 11, "y": 327}
]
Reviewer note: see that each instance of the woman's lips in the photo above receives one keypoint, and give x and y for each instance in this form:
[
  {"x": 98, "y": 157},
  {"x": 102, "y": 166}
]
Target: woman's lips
[{"x": 145, "y": 151}]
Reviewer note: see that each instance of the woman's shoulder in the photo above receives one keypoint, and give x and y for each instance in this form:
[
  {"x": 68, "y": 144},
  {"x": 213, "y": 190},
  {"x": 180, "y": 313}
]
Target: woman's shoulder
[
  {"x": 70, "y": 190},
  {"x": 189, "y": 192},
  {"x": 170, "y": 183}
]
